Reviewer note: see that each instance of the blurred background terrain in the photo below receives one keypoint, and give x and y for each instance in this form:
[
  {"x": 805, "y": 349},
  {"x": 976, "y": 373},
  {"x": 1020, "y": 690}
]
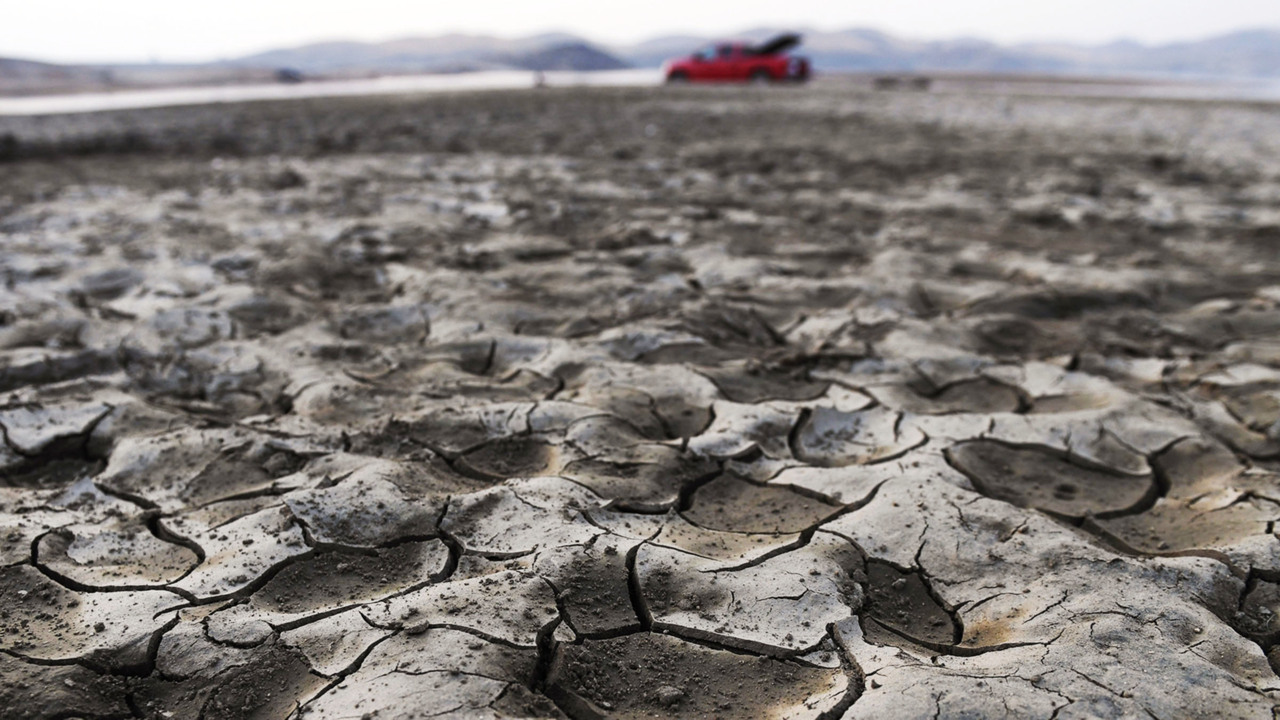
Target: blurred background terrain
[{"x": 1242, "y": 54}]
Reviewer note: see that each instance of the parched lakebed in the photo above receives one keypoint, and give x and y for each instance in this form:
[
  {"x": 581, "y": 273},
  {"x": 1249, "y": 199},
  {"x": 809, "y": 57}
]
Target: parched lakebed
[{"x": 736, "y": 403}]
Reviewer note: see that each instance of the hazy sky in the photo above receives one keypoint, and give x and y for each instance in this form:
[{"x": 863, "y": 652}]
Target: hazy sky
[{"x": 173, "y": 30}]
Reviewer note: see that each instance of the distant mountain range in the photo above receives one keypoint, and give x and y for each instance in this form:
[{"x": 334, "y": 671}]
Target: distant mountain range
[
  {"x": 25, "y": 77},
  {"x": 444, "y": 53},
  {"x": 1254, "y": 53}
]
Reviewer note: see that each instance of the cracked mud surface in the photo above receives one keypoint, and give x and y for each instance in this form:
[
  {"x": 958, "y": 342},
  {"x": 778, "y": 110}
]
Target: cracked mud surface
[{"x": 596, "y": 403}]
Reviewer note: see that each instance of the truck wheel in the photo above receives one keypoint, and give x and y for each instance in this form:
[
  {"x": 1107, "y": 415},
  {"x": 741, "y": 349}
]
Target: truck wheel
[
  {"x": 759, "y": 77},
  {"x": 679, "y": 77}
]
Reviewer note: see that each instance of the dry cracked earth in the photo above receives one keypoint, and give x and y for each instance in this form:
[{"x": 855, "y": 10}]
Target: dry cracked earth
[{"x": 800, "y": 403}]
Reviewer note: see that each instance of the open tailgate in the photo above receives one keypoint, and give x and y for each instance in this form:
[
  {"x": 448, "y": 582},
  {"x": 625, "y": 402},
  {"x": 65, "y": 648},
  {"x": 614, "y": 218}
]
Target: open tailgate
[{"x": 779, "y": 44}]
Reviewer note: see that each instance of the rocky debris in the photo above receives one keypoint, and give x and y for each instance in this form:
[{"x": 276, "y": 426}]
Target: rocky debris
[{"x": 837, "y": 407}]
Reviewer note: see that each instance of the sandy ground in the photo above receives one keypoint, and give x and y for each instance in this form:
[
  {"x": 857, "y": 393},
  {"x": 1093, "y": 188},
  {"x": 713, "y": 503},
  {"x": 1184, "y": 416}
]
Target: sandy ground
[{"x": 737, "y": 403}]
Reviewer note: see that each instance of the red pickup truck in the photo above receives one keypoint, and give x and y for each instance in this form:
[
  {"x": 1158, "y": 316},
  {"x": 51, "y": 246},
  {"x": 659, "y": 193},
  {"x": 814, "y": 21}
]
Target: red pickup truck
[{"x": 740, "y": 62}]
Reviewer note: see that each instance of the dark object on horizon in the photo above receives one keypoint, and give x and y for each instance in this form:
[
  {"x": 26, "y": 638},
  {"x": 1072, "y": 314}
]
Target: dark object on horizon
[
  {"x": 742, "y": 62},
  {"x": 890, "y": 82},
  {"x": 289, "y": 75}
]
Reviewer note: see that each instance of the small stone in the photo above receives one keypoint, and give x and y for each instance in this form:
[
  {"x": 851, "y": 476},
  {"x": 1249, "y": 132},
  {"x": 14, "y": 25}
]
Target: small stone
[{"x": 669, "y": 695}]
